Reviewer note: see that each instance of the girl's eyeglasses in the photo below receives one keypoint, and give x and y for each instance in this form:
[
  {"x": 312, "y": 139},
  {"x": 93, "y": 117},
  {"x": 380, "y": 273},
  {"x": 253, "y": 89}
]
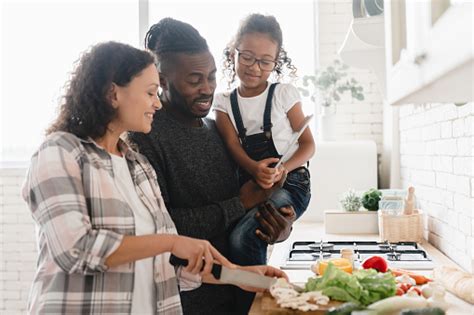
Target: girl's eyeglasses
[{"x": 249, "y": 60}]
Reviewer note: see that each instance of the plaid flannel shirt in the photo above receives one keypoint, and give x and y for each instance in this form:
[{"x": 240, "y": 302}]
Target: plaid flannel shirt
[{"x": 81, "y": 219}]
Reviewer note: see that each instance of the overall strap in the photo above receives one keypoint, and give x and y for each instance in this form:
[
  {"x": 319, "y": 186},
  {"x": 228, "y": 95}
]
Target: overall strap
[
  {"x": 237, "y": 116},
  {"x": 267, "y": 119}
]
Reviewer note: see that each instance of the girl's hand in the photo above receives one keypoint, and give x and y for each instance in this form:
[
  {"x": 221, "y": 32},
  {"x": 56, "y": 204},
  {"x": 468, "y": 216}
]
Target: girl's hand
[
  {"x": 265, "y": 270},
  {"x": 279, "y": 173},
  {"x": 197, "y": 252},
  {"x": 264, "y": 174}
]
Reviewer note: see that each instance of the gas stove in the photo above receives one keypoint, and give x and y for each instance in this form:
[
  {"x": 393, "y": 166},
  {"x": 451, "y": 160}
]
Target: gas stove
[{"x": 406, "y": 255}]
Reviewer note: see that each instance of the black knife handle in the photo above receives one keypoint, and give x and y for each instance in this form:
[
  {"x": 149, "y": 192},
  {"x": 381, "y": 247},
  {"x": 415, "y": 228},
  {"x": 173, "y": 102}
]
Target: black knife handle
[{"x": 176, "y": 261}]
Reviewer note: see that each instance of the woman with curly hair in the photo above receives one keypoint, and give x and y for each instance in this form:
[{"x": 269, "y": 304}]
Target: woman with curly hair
[
  {"x": 256, "y": 121},
  {"x": 104, "y": 233}
]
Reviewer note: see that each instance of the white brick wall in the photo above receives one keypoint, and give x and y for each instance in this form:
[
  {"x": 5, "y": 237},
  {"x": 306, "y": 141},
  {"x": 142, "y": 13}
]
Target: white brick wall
[
  {"x": 437, "y": 157},
  {"x": 355, "y": 120},
  {"x": 17, "y": 244}
]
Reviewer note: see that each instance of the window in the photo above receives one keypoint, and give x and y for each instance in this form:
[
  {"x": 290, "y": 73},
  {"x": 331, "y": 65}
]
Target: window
[
  {"x": 41, "y": 40},
  {"x": 40, "y": 43},
  {"x": 218, "y": 21}
]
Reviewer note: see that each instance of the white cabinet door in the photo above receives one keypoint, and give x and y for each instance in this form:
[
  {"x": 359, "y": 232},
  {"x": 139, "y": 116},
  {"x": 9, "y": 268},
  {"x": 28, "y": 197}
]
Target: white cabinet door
[{"x": 431, "y": 47}]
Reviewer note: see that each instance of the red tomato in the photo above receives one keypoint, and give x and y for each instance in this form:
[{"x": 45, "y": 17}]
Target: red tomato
[
  {"x": 417, "y": 290},
  {"x": 375, "y": 262},
  {"x": 400, "y": 291},
  {"x": 404, "y": 286}
]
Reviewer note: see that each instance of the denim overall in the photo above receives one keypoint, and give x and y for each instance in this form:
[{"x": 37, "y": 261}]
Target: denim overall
[
  {"x": 246, "y": 247},
  {"x": 258, "y": 146}
]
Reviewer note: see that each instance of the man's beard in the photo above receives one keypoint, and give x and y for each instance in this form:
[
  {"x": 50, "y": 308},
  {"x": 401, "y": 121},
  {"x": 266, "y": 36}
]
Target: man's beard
[{"x": 178, "y": 102}]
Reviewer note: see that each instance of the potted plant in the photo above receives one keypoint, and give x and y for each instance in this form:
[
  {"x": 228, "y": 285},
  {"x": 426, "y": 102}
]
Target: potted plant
[
  {"x": 350, "y": 201},
  {"x": 371, "y": 198},
  {"x": 352, "y": 218},
  {"x": 325, "y": 89}
]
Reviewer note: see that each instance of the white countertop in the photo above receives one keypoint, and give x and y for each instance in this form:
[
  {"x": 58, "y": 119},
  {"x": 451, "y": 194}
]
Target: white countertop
[{"x": 303, "y": 231}]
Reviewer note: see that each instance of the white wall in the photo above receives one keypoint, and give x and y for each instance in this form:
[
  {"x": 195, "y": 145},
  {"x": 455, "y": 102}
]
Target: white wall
[
  {"x": 361, "y": 120},
  {"x": 437, "y": 157},
  {"x": 17, "y": 244}
]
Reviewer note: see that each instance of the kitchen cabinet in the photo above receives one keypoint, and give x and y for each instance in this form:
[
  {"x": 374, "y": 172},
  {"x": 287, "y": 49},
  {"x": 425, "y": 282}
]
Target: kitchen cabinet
[{"x": 429, "y": 51}]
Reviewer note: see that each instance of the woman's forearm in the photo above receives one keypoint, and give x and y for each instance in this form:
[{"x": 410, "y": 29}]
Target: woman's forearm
[{"x": 134, "y": 248}]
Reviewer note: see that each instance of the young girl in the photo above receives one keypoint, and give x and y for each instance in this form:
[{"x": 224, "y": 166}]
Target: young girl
[{"x": 257, "y": 120}]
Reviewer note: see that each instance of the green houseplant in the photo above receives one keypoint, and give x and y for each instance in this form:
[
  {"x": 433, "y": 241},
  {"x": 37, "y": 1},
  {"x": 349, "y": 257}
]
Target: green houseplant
[
  {"x": 328, "y": 84},
  {"x": 371, "y": 198},
  {"x": 350, "y": 201}
]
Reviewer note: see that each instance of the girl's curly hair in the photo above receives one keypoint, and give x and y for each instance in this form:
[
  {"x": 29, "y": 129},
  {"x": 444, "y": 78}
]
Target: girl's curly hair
[
  {"x": 258, "y": 23},
  {"x": 86, "y": 110}
]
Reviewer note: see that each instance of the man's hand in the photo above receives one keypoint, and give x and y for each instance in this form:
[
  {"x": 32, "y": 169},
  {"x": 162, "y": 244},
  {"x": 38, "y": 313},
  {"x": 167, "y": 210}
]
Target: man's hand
[
  {"x": 251, "y": 195},
  {"x": 276, "y": 224}
]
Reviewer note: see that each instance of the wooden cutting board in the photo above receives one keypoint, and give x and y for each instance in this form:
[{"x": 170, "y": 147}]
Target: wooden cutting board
[{"x": 265, "y": 304}]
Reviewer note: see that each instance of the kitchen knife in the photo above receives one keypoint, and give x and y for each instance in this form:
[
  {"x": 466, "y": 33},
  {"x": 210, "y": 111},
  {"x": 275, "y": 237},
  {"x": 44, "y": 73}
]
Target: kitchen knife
[
  {"x": 294, "y": 139},
  {"x": 232, "y": 276}
]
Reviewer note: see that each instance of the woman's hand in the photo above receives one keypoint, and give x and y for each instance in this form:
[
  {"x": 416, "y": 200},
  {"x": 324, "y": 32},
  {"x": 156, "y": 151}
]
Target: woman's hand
[
  {"x": 265, "y": 270},
  {"x": 263, "y": 174},
  {"x": 197, "y": 252}
]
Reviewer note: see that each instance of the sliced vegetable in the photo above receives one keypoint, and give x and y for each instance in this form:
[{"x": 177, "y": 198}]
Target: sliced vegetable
[
  {"x": 345, "y": 309},
  {"x": 341, "y": 263},
  {"x": 419, "y": 279},
  {"x": 414, "y": 291},
  {"x": 375, "y": 262},
  {"x": 406, "y": 279},
  {"x": 424, "y": 311},
  {"x": 404, "y": 286},
  {"x": 397, "y": 303}
]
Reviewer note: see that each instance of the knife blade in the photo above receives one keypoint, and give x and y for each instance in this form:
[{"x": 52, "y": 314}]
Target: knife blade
[
  {"x": 294, "y": 140},
  {"x": 232, "y": 276}
]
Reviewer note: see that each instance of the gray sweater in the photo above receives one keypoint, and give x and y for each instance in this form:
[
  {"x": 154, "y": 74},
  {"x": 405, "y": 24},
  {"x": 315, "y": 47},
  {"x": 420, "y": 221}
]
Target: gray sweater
[{"x": 199, "y": 185}]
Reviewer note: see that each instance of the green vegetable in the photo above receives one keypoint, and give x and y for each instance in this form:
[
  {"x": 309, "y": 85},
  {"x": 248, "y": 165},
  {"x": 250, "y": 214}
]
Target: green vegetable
[
  {"x": 424, "y": 311},
  {"x": 398, "y": 303},
  {"x": 345, "y": 309},
  {"x": 371, "y": 198},
  {"x": 362, "y": 287}
]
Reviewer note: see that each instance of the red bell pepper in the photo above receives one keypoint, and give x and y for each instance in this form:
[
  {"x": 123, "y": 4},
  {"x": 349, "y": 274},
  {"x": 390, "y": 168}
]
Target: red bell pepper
[{"x": 375, "y": 262}]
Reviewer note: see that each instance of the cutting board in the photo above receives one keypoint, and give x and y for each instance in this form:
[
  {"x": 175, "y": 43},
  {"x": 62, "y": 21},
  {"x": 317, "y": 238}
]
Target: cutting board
[{"x": 265, "y": 304}]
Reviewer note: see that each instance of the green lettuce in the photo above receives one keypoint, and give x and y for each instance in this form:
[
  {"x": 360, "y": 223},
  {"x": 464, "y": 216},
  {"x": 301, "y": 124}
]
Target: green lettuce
[{"x": 364, "y": 286}]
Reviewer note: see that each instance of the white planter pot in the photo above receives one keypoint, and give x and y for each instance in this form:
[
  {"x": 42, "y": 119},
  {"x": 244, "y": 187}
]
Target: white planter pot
[
  {"x": 351, "y": 222},
  {"x": 327, "y": 124}
]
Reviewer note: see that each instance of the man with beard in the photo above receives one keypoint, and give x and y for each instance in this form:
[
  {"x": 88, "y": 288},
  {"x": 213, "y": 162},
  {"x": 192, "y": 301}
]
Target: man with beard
[{"x": 197, "y": 177}]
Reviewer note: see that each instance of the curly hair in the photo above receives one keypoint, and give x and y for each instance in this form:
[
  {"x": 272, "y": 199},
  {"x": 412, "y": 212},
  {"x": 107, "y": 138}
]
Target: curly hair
[
  {"x": 258, "y": 23},
  {"x": 86, "y": 110},
  {"x": 170, "y": 36}
]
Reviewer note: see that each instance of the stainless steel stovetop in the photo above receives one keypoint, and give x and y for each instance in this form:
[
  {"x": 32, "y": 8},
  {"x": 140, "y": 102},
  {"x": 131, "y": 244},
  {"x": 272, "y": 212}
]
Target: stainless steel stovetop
[{"x": 409, "y": 255}]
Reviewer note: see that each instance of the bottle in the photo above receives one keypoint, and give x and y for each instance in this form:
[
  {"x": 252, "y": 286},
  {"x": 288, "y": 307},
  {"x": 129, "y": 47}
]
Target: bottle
[
  {"x": 348, "y": 253},
  {"x": 410, "y": 201}
]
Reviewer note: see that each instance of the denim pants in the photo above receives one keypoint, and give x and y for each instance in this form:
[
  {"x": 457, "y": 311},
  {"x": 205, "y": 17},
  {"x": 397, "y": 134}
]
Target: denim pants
[{"x": 245, "y": 246}]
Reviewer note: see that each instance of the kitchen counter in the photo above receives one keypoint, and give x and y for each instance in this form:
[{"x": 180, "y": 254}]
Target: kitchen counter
[{"x": 315, "y": 231}]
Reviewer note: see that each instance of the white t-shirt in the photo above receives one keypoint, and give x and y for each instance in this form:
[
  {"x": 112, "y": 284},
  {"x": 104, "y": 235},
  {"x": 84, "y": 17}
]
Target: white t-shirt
[
  {"x": 144, "y": 292},
  {"x": 285, "y": 97}
]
